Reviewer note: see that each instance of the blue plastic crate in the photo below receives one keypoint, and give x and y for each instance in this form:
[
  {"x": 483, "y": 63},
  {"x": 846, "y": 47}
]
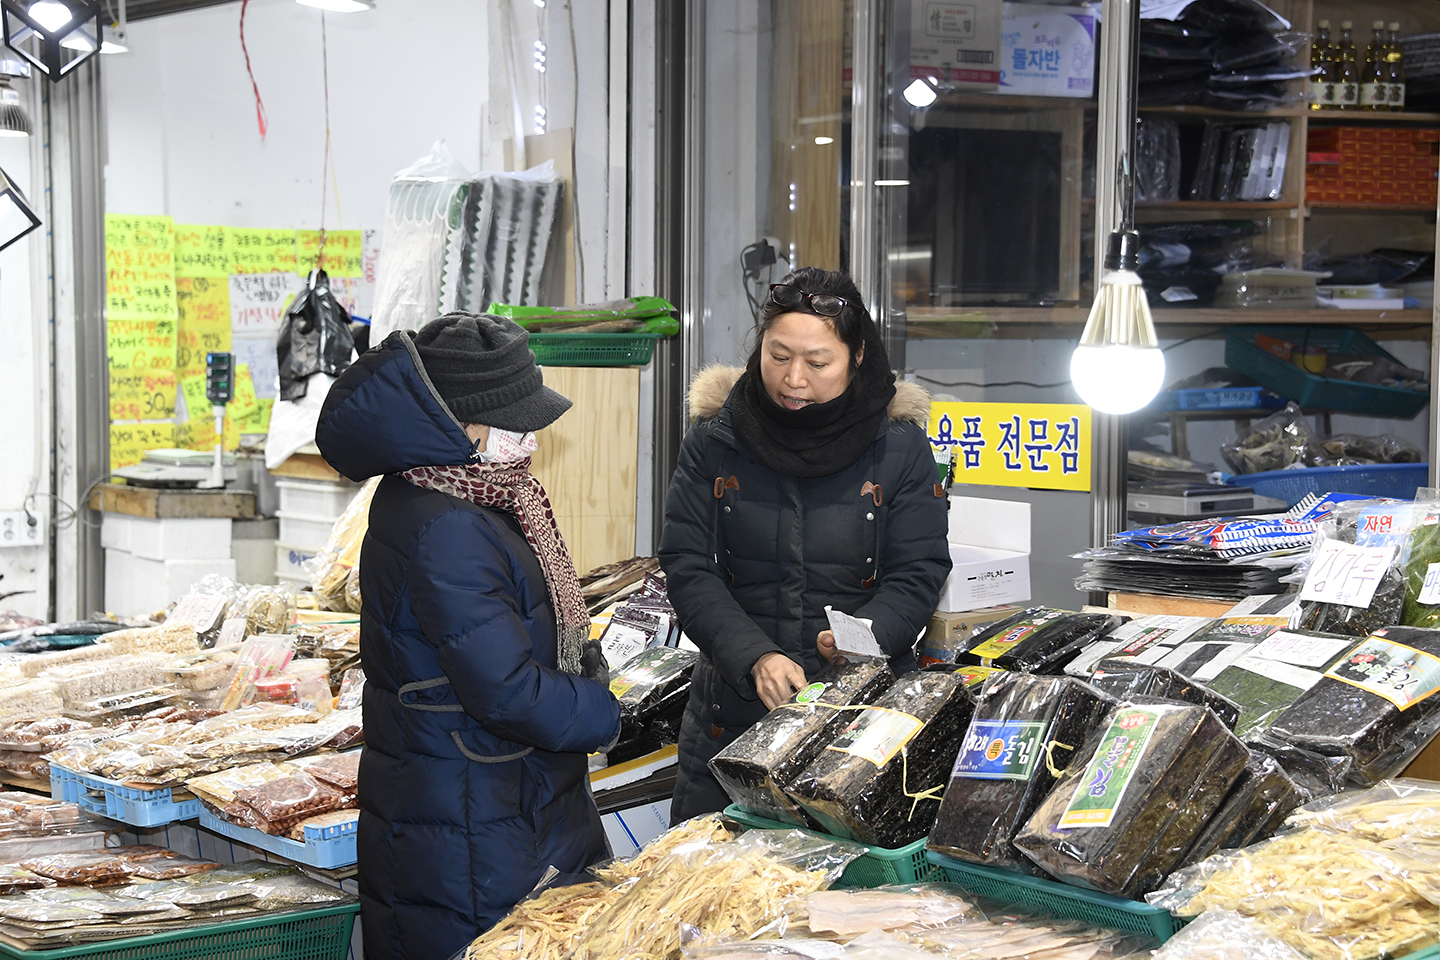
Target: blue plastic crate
[
  {"x": 326, "y": 847},
  {"x": 112, "y": 799},
  {"x": 1396, "y": 480},
  {"x": 1313, "y": 390},
  {"x": 1059, "y": 899},
  {"x": 1220, "y": 398}
]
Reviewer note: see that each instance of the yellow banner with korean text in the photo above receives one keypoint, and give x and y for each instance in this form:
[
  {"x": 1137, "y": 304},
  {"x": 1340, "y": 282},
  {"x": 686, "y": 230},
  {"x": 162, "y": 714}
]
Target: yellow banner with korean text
[{"x": 1045, "y": 446}]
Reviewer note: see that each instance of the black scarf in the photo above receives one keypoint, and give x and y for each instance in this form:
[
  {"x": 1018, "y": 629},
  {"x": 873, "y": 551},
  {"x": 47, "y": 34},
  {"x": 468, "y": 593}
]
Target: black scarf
[{"x": 819, "y": 439}]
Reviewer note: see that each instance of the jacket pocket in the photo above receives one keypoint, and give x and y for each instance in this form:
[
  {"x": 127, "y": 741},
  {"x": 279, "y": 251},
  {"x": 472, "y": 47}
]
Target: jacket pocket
[{"x": 469, "y": 754}]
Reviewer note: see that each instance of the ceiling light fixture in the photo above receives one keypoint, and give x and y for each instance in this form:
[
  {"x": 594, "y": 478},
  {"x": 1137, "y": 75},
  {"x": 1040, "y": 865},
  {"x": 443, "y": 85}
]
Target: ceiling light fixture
[
  {"x": 339, "y": 6},
  {"x": 45, "y": 31},
  {"x": 822, "y": 141},
  {"x": 16, "y": 217},
  {"x": 113, "y": 40}
]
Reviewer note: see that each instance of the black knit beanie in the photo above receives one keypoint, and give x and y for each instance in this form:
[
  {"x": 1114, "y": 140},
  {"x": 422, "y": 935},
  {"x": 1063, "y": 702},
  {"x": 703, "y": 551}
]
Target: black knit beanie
[{"x": 483, "y": 369}]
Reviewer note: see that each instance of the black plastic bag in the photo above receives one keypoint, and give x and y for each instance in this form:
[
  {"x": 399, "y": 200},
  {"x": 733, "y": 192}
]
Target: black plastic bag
[{"x": 314, "y": 337}]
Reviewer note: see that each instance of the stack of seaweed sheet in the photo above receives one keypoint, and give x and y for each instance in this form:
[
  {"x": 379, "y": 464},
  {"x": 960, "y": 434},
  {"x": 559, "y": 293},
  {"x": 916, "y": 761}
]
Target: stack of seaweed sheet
[
  {"x": 652, "y": 689},
  {"x": 1035, "y": 640},
  {"x": 764, "y": 760}
]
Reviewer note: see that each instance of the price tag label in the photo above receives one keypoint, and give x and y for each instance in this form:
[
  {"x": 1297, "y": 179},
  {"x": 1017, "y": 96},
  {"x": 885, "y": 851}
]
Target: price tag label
[
  {"x": 1430, "y": 589},
  {"x": 1346, "y": 574}
]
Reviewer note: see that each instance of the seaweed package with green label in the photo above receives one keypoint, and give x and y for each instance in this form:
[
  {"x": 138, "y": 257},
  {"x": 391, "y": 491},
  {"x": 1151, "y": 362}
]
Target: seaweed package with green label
[
  {"x": 880, "y": 780},
  {"x": 1135, "y": 799},
  {"x": 1355, "y": 583},
  {"x": 1023, "y": 734},
  {"x": 756, "y": 768},
  {"x": 1254, "y": 809},
  {"x": 1125, "y": 680},
  {"x": 1036, "y": 640},
  {"x": 1379, "y": 705},
  {"x": 1274, "y": 673},
  {"x": 1421, "y": 566}
]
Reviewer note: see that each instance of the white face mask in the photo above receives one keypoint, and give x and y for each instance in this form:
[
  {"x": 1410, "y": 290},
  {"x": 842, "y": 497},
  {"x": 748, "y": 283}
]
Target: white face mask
[{"x": 505, "y": 445}]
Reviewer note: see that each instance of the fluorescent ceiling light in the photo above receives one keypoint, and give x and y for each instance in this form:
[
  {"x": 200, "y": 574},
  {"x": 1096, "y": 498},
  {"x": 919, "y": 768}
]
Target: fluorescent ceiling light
[
  {"x": 339, "y": 6},
  {"x": 821, "y": 141},
  {"x": 920, "y": 94}
]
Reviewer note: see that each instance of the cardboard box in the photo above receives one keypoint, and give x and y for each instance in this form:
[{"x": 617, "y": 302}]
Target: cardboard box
[
  {"x": 958, "y": 43},
  {"x": 947, "y": 631},
  {"x": 1047, "y": 51},
  {"x": 990, "y": 553}
]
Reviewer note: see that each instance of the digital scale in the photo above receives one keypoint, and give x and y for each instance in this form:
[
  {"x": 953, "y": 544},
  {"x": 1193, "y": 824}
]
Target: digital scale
[
  {"x": 1193, "y": 500},
  {"x": 193, "y": 468}
]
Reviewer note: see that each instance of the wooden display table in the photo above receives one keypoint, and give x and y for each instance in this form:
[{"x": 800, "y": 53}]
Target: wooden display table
[{"x": 157, "y": 504}]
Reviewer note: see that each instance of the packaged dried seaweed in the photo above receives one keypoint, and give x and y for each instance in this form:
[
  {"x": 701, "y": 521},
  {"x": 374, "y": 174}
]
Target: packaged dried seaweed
[
  {"x": 1134, "y": 637},
  {"x": 1125, "y": 680},
  {"x": 879, "y": 781},
  {"x": 1366, "y": 536},
  {"x": 1380, "y": 705},
  {"x": 1276, "y": 672},
  {"x": 652, "y": 688},
  {"x": 1314, "y": 775},
  {"x": 1035, "y": 640},
  {"x": 1255, "y": 807},
  {"x": 1420, "y": 564},
  {"x": 764, "y": 760},
  {"x": 1024, "y": 732},
  {"x": 1134, "y": 800}
]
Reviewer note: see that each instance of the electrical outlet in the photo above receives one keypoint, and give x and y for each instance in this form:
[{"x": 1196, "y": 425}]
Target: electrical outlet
[{"x": 16, "y": 529}]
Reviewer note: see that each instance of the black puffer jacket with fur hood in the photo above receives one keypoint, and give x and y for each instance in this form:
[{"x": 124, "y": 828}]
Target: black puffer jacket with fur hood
[{"x": 754, "y": 557}]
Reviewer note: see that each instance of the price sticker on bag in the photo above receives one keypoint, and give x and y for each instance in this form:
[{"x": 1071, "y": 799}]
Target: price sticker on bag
[
  {"x": 1430, "y": 589},
  {"x": 1346, "y": 574}
]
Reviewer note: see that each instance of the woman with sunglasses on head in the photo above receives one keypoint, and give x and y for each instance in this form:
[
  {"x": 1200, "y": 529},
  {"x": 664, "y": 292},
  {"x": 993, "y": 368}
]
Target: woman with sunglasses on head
[{"x": 806, "y": 481}]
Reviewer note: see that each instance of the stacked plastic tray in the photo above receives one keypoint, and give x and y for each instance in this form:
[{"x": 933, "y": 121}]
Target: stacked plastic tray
[
  {"x": 328, "y": 848},
  {"x": 116, "y": 801}
]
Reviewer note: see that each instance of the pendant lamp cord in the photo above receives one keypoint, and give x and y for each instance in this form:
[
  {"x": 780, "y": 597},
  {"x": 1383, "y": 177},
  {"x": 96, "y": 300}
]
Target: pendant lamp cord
[
  {"x": 325, "y": 166},
  {"x": 259, "y": 104},
  {"x": 1126, "y": 171}
]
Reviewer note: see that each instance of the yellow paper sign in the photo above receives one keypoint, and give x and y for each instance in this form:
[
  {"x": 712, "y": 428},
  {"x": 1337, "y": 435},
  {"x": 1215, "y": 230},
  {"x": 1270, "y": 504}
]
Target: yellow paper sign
[
  {"x": 344, "y": 252},
  {"x": 196, "y": 403},
  {"x": 141, "y": 344},
  {"x": 245, "y": 404},
  {"x": 259, "y": 421},
  {"x": 198, "y": 433},
  {"x": 204, "y": 322},
  {"x": 200, "y": 251},
  {"x": 129, "y": 441},
  {"x": 139, "y": 267},
  {"x": 260, "y": 251},
  {"x": 1040, "y": 445},
  {"x": 142, "y": 394}
]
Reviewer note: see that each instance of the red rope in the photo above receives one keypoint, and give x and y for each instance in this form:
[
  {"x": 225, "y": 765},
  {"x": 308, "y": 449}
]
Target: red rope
[{"x": 259, "y": 104}]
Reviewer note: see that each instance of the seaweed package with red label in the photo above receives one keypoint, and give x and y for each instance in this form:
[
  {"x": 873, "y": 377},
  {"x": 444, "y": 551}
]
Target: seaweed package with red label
[
  {"x": 756, "y": 768},
  {"x": 1023, "y": 734},
  {"x": 880, "y": 780},
  {"x": 1036, "y": 640},
  {"x": 1135, "y": 799},
  {"x": 1379, "y": 705}
]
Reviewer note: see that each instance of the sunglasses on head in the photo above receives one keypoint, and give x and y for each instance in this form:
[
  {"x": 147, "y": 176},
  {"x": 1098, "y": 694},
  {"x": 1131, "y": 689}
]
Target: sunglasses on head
[{"x": 823, "y": 304}]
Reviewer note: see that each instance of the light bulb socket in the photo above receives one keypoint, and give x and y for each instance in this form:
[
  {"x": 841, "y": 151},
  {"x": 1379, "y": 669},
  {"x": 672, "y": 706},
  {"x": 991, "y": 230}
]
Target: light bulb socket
[{"x": 1123, "y": 251}]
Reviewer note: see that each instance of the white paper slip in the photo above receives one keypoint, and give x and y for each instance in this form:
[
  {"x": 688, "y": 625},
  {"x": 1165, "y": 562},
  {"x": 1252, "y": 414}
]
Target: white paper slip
[
  {"x": 1346, "y": 574},
  {"x": 853, "y": 636},
  {"x": 1300, "y": 650},
  {"x": 1430, "y": 589}
]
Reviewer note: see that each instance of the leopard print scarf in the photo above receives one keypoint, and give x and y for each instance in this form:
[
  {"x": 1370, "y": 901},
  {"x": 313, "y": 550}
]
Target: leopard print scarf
[{"x": 509, "y": 486}]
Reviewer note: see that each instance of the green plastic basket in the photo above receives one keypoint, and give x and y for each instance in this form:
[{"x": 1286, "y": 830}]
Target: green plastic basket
[
  {"x": 876, "y": 868},
  {"x": 322, "y": 934},
  {"x": 1430, "y": 954},
  {"x": 593, "y": 349},
  {"x": 1058, "y": 899}
]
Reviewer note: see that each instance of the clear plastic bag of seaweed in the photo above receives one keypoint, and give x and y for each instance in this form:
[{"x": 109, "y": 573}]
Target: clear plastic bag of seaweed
[
  {"x": 1275, "y": 672},
  {"x": 1125, "y": 680},
  {"x": 1254, "y": 809},
  {"x": 1315, "y": 775},
  {"x": 1380, "y": 705},
  {"x": 764, "y": 760},
  {"x": 1022, "y": 736},
  {"x": 1035, "y": 640},
  {"x": 1355, "y": 582},
  {"x": 1135, "y": 799},
  {"x": 880, "y": 780},
  {"x": 1420, "y": 564}
]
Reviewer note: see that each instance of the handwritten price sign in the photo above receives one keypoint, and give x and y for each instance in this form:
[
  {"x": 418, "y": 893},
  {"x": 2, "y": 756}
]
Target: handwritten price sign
[{"x": 1346, "y": 574}]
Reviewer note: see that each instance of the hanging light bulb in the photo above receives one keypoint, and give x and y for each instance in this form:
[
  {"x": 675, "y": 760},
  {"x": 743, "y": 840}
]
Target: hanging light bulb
[
  {"x": 920, "y": 94},
  {"x": 14, "y": 121},
  {"x": 1118, "y": 366},
  {"x": 339, "y": 6},
  {"x": 43, "y": 31}
]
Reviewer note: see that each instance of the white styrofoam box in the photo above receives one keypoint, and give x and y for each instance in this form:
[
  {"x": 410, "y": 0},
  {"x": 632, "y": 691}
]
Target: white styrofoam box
[
  {"x": 630, "y": 829},
  {"x": 315, "y": 498},
  {"x": 289, "y": 560},
  {"x": 138, "y": 585},
  {"x": 1047, "y": 51},
  {"x": 989, "y": 553},
  {"x": 305, "y": 531},
  {"x": 206, "y": 538}
]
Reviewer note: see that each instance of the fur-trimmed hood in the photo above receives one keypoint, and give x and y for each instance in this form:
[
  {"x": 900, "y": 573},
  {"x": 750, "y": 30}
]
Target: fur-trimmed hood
[{"x": 911, "y": 403}]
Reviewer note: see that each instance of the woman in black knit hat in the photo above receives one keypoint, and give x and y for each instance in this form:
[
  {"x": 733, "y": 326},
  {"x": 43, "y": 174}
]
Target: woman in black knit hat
[{"x": 483, "y": 691}]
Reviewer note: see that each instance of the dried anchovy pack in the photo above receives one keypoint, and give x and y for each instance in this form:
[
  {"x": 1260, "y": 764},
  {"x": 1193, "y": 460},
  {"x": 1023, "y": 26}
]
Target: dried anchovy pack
[
  {"x": 1254, "y": 809},
  {"x": 764, "y": 760},
  {"x": 1379, "y": 705},
  {"x": 879, "y": 781},
  {"x": 1125, "y": 679},
  {"x": 1024, "y": 731},
  {"x": 1035, "y": 640},
  {"x": 1136, "y": 797}
]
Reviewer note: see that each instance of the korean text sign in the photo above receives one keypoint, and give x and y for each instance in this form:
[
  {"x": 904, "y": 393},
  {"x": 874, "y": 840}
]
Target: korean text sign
[{"x": 1040, "y": 445}]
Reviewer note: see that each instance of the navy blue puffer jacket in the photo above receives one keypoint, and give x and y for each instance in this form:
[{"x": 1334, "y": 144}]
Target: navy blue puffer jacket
[{"x": 474, "y": 778}]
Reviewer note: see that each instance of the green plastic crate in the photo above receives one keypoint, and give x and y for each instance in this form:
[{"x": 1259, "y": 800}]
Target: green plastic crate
[
  {"x": 1431, "y": 954},
  {"x": 1310, "y": 389},
  {"x": 322, "y": 934},
  {"x": 593, "y": 349},
  {"x": 876, "y": 868},
  {"x": 1059, "y": 899}
]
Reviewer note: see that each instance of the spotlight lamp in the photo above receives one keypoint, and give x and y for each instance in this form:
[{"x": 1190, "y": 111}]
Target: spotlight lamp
[
  {"x": 55, "y": 36},
  {"x": 14, "y": 121}
]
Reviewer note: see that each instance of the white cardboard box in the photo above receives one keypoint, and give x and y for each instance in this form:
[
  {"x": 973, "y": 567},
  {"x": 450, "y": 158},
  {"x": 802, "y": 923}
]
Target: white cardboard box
[
  {"x": 1047, "y": 51},
  {"x": 990, "y": 551},
  {"x": 956, "y": 43},
  {"x": 138, "y": 585}
]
